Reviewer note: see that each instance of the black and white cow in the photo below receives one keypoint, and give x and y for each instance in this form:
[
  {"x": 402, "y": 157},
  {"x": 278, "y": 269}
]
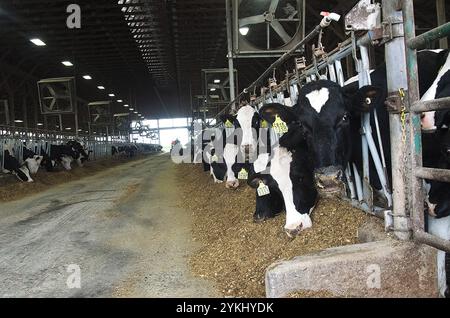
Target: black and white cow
[
  {"x": 129, "y": 150},
  {"x": 32, "y": 160},
  {"x": 234, "y": 146},
  {"x": 12, "y": 165},
  {"x": 64, "y": 155}
]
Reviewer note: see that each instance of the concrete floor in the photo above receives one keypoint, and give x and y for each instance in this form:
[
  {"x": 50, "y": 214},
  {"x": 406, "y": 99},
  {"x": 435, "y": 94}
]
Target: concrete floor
[{"x": 125, "y": 229}]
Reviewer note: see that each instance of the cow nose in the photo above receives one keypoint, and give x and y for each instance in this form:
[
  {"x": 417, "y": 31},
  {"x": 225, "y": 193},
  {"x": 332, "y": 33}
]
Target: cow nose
[{"x": 328, "y": 177}]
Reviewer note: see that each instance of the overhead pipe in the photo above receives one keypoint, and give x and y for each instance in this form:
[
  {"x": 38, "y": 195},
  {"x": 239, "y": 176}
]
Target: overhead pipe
[{"x": 326, "y": 21}]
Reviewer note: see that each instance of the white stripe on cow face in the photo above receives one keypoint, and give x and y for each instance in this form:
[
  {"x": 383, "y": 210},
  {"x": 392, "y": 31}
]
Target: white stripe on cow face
[
  {"x": 245, "y": 117},
  {"x": 66, "y": 161},
  {"x": 280, "y": 169},
  {"x": 318, "y": 98},
  {"x": 428, "y": 120},
  {"x": 229, "y": 154},
  {"x": 33, "y": 164},
  {"x": 261, "y": 163}
]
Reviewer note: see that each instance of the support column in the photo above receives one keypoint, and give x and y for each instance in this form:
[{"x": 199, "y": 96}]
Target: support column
[
  {"x": 230, "y": 54},
  {"x": 441, "y": 19},
  {"x": 396, "y": 80}
]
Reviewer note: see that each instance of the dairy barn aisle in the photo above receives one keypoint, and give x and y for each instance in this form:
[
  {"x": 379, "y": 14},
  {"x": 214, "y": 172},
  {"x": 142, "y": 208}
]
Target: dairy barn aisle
[{"x": 123, "y": 227}]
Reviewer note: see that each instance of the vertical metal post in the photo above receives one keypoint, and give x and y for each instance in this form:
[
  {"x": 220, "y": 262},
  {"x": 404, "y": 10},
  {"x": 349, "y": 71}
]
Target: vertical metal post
[
  {"x": 8, "y": 121},
  {"x": 230, "y": 54},
  {"x": 441, "y": 19},
  {"x": 60, "y": 122},
  {"x": 397, "y": 79},
  {"x": 416, "y": 196}
]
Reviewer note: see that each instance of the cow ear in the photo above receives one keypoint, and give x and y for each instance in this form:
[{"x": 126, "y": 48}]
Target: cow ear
[
  {"x": 269, "y": 112},
  {"x": 365, "y": 99},
  {"x": 255, "y": 179}
]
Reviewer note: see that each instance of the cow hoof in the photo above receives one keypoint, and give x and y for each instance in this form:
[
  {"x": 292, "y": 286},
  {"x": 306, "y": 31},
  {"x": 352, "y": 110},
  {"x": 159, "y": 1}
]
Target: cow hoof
[{"x": 259, "y": 219}]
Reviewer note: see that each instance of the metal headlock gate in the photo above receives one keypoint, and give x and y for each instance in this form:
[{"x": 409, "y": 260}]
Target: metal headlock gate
[
  {"x": 406, "y": 218},
  {"x": 36, "y": 139}
]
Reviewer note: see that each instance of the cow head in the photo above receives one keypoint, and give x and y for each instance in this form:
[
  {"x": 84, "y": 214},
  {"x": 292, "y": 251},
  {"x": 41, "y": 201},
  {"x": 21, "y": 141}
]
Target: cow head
[
  {"x": 66, "y": 162},
  {"x": 323, "y": 118},
  {"x": 269, "y": 200},
  {"x": 247, "y": 121},
  {"x": 34, "y": 163},
  {"x": 80, "y": 153}
]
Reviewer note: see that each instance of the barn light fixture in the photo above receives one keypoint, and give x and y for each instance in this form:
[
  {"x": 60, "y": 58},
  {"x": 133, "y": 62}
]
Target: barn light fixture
[
  {"x": 126, "y": 105},
  {"x": 111, "y": 95},
  {"x": 87, "y": 77},
  {"x": 216, "y": 81},
  {"x": 101, "y": 87},
  {"x": 40, "y": 124},
  {"x": 244, "y": 30},
  {"x": 212, "y": 89},
  {"x": 67, "y": 63},
  {"x": 135, "y": 112},
  {"x": 18, "y": 121},
  {"x": 38, "y": 42},
  {"x": 120, "y": 101},
  {"x": 131, "y": 108},
  {"x": 68, "y": 128}
]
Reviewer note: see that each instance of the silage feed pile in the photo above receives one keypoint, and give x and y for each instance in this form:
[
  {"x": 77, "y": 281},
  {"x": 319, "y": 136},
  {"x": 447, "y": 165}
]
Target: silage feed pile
[
  {"x": 12, "y": 189},
  {"x": 235, "y": 251}
]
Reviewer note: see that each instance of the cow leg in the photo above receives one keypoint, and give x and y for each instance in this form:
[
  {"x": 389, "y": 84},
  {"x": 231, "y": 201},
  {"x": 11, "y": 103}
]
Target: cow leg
[
  {"x": 230, "y": 154},
  {"x": 280, "y": 171}
]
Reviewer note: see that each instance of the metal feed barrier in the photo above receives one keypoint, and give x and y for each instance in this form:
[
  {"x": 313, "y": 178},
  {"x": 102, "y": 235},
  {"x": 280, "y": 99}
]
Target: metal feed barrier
[
  {"x": 406, "y": 218},
  {"x": 37, "y": 139}
]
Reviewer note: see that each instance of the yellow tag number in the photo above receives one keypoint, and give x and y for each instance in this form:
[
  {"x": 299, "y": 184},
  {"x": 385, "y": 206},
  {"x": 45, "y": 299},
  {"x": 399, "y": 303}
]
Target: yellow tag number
[
  {"x": 228, "y": 124},
  {"x": 214, "y": 158},
  {"x": 279, "y": 126},
  {"x": 243, "y": 174},
  {"x": 264, "y": 124},
  {"x": 263, "y": 189}
]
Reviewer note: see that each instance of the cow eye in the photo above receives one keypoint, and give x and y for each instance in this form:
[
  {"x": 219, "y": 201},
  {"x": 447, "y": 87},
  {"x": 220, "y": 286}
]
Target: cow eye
[
  {"x": 368, "y": 100},
  {"x": 345, "y": 118}
]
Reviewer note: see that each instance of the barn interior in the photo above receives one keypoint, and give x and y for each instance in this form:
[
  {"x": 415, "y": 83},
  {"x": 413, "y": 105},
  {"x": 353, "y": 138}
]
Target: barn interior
[{"x": 144, "y": 72}]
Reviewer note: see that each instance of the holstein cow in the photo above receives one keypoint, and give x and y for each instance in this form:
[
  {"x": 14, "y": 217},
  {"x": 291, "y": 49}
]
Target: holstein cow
[
  {"x": 12, "y": 165},
  {"x": 235, "y": 146},
  {"x": 32, "y": 160},
  {"x": 299, "y": 163},
  {"x": 64, "y": 155}
]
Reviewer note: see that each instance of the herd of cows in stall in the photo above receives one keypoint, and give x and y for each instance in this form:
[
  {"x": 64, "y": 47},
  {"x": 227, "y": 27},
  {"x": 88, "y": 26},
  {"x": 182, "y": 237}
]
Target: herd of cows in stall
[
  {"x": 26, "y": 162},
  {"x": 304, "y": 150}
]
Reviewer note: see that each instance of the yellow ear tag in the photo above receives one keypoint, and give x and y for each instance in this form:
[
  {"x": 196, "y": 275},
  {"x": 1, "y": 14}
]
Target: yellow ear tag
[
  {"x": 263, "y": 189},
  {"x": 228, "y": 124},
  {"x": 279, "y": 126},
  {"x": 214, "y": 158},
  {"x": 264, "y": 124},
  {"x": 243, "y": 174}
]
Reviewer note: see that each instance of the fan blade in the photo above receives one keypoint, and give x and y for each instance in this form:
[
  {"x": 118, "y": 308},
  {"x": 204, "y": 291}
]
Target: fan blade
[
  {"x": 280, "y": 31},
  {"x": 251, "y": 20},
  {"x": 273, "y": 6}
]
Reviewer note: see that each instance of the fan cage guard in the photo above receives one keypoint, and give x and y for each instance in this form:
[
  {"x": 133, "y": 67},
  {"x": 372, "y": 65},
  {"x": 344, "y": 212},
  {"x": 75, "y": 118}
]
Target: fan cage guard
[
  {"x": 243, "y": 48},
  {"x": 57, "y": 93}
]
